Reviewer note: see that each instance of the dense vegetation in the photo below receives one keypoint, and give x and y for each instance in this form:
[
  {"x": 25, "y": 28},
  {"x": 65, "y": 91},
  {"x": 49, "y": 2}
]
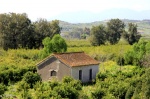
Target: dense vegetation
[
  {"x": 123, "y": 74},
  {"x": 113, "y": 32},
  {"x": 19, "y": 79},
  {"x": 17, "y": 31}
]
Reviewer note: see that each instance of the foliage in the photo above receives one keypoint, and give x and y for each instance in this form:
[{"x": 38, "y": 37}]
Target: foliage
[
  {"x": 136, "y": 55},
  {"x": 98, "y": 93},
  {"x": 58, "y": 44},
  {"x": 130, "y": 92},
  {"x": 78, "y": 43},
  {"x": 132, "y": 36},
  {"x": 102, "y": 53},
  {"x": 44, "y": 29},
  {"x": 115, "y": 28},
  {"x": 98, "y": 35},
  {"x": 17, "y": 31},
  {"x": 113, "y": 81},
  {"x": 114, "y": 32},
  {"x": 31, "y": 78},
  {"x": 2, "y": 89},
  {"x": 15, "y": 63},
  {"x": 55, "y": 45}
]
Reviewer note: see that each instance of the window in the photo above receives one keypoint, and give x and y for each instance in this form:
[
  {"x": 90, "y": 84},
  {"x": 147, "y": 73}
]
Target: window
[
  {"x": 80, "y": 74},
  {"x": 90, "y": 74},
  {"x": 53, "y": 73}
]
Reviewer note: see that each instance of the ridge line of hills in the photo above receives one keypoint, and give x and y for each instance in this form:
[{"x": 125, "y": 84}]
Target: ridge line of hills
[{"x": 143, "y": 25}]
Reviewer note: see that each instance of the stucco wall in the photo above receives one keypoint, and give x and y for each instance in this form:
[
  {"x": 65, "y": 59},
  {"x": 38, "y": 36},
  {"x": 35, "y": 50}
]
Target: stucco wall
[
  {"x": 85, "y": 72},
  {"x": 63, "y": 71},
  {"x": 52, "y": 63}
]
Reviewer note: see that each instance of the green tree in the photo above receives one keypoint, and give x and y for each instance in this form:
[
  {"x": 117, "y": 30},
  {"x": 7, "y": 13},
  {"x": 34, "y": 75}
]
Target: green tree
[
  {"x": 115, "y": 28},
  {"x": 57, "y": 44},
  {"x": 16, "y": 31},
  {"x": 133, "y": 35},
  {"x": 43, "y": 29},
  {"x": 98, "y": 35}
]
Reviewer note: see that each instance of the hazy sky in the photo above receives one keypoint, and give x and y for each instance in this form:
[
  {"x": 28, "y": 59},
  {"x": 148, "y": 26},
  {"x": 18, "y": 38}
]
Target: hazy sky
[{"x": 51, "y": 8}]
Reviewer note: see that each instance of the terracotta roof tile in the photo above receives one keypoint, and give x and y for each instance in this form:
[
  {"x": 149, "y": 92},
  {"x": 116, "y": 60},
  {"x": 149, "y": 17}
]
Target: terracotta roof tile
[{"x": 75, "y": 59}]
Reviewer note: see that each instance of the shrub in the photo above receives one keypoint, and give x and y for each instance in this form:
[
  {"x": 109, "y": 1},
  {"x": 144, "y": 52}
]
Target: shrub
[
  {"x": 101, "y": 76},
  {"x": 130, "y": 92},
  {"x": 2, "y": 89},
  {"x": 31, "y": 78},
  {"x": 98, "y": 93}
]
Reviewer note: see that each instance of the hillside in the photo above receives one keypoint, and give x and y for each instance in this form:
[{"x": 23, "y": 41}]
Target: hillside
[{"x": 143, "y": 25}]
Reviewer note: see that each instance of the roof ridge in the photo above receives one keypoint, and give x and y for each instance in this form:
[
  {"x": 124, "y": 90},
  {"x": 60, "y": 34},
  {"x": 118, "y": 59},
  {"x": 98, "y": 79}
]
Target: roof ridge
[{"x": 69, "y": 52}]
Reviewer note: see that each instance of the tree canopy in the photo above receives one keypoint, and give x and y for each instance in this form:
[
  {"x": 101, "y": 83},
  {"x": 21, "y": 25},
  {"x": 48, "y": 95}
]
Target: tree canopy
[
  {"x": 113, "y": 32},
  {"x": 57, "y": 45},
  {"x": 98, "y": 35},
  {"x": 115, "y": 28},
  {"x": 133, "y": 35},
  {"x": 17, "y": 31}
]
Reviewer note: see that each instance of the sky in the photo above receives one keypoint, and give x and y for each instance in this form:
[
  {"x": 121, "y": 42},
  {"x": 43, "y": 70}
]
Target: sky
[{"x": 49, "y": 9}]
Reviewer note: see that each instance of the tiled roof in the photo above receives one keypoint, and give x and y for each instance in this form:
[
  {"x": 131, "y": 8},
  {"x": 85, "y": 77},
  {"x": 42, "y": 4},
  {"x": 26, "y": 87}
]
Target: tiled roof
[{"x": 75, "y": 59}]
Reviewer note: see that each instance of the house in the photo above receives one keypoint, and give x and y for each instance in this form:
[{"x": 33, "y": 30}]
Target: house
[{"x": 75, "y": 64}]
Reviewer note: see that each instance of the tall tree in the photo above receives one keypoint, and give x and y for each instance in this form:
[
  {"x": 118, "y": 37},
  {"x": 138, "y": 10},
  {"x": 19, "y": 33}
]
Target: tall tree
[
  {"x": 43, "y": 29},
  {"x": 133, "y": 35},
  {"x": 98, "y": 35},
  {"x": 16, "y": 31},
  {"x": 115, "y": 28}
]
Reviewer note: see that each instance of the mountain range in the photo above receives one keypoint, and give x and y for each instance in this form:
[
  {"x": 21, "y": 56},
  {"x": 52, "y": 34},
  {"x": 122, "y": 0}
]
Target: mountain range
[{"x": 88, "y": 17}]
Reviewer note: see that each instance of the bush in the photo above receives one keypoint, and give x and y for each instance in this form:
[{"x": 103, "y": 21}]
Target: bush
[
  {"x": 66, "y": 91},
  {"x": 101, "y": 76},
  {"x": 2, "y": 89},
  {"x": 98, "y": 93},
  {"x": 31, "y": 78},
  {"x": 130, "y": 92}
]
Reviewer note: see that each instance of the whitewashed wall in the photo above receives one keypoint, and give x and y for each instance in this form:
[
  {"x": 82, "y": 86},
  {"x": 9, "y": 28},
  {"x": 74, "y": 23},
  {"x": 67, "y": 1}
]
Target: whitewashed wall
[{"x": 85, "y": 72}]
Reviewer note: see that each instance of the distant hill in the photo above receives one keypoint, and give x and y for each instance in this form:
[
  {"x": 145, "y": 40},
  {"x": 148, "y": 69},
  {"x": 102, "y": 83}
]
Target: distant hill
[
  {"x": 87, "y": 16},
  {"x": 143, "y": 25}
]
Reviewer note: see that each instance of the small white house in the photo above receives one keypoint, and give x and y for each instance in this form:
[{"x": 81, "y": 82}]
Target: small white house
[{"x": 75, "y": 64}]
